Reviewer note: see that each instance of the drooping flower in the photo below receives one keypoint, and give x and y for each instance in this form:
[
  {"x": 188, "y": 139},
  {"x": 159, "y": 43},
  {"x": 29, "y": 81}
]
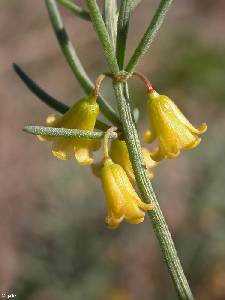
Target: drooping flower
[
  {"x": 82, "y": 116},
  {"x": 173, "y": 131},
  {"x": 119, "y": 154},
  {"x": 122, "y": 200}
]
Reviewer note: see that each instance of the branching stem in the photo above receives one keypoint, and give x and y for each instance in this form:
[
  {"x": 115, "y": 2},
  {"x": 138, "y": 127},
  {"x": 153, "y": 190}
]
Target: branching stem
[{"x": 134, "y": 148}]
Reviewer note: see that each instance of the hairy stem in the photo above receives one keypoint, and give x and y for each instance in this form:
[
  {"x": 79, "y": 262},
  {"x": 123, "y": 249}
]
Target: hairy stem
[
  {"x": 122, "y": 30},
  {"x": 66, "y": 132},
  {"x": 103, "y": 35},
  {"x": 130, "y": 133},
  {"x": 110, "y": 18},
  {"x": 158, "y": 221}
]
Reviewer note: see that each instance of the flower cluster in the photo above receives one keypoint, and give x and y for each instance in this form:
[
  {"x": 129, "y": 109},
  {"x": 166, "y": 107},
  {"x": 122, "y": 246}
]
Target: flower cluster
[{"x": 168, "y": 125}]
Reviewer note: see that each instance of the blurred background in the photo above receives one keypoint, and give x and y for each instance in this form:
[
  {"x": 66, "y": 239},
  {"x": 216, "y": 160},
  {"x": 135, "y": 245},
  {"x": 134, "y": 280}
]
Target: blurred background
[{"x": 54, "y": 244}]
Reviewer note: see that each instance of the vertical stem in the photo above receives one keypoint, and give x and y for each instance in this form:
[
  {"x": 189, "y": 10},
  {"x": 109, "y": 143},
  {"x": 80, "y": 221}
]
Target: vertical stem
[
  {"x": 134, "y": 148},
  {"x": 110, "y": 18},
  {"x": 158, "y": 221},
  {"x": 122, "y": 30},
  {"x": 103, "y": 35}
]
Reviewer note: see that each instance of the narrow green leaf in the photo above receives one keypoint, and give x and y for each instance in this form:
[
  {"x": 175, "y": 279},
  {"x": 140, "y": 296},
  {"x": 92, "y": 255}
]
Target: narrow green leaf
[
  {"x": 103, "y": 35},
  {"x": 65, "y": 132},
  {"x": 39, "y": 92},
  {"x": 149, "y": 35},
  {"x": 111, "y": 18},
  {"x": 122, "y": 30},
  {"x": 77, "y": 10},
  {"x": 46, "y": 98}
]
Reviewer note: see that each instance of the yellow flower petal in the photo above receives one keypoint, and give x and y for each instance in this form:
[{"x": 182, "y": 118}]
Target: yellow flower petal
[
  {"x": 149, "y": 137},
  {"x": 83, "y": 156},
  {"x": 119, "y": 154},
  {"x": 82, "y": 116},
  {"x": 63, "y": 149},
  {"x": 122, "y": 200},
  {"x": 51, "y": 120},
  {"x": 172, "y": 130}
]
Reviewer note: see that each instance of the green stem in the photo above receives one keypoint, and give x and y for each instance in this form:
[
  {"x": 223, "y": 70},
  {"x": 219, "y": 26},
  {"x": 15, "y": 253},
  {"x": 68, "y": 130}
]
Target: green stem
[
  {"x": 48, "y": 99},
  {"x": 134, "y": 148},
  {"x": 77, "y": 10},
  {"x": 74, "y": 62},
  {"x": 122, "y": 30},
  {"x": 108, "y": 135},
  {"x": 149, "y": 35},
  {"x": 103, "y": 35},
  {"x": 110, "y": 18},
  {"x": 66, "y": 132},
  {"x": 158, "y": 221}
]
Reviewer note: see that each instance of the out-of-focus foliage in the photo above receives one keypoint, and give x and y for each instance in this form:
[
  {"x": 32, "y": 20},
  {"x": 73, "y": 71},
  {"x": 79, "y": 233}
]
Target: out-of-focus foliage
[{"x": 193, "y": 67}]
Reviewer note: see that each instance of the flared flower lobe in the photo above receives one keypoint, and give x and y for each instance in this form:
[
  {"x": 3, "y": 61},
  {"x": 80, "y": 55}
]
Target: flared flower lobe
[
  {"x": 173, "y": 131},
  {"x": 82, "y": 116},
  {"x": 122, "y": 200}
]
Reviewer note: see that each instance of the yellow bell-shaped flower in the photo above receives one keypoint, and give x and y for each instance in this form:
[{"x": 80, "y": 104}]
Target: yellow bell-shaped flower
[
  {"x": 122, "y": 200},
  {"x": 173, "y": 131},
  {"x": 119, "y": 154},
  {"x": 82, "y": 116}
]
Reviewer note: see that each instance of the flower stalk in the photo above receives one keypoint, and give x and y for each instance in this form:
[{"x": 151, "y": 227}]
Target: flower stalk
[
  {"x": 96, "y": 90},
  {"x": 147, "y": 83},
  {"x": 106, "y": 141}
]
